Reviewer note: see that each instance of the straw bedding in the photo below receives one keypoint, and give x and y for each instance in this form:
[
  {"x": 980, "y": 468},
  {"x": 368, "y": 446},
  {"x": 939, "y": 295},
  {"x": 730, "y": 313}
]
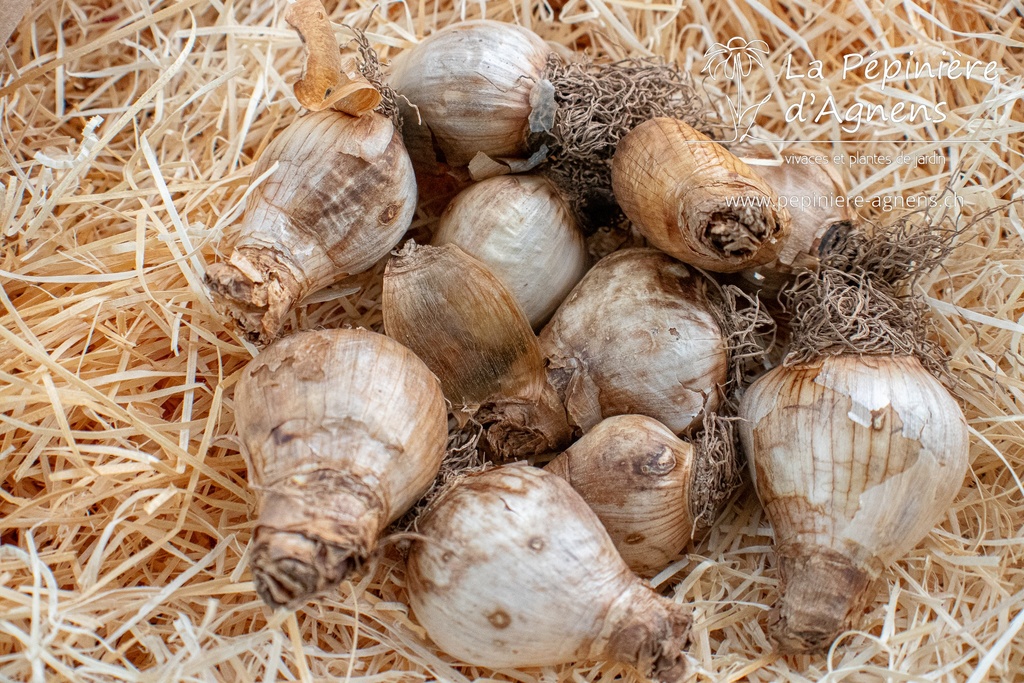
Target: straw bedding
[{"x": 124, "y": 508}]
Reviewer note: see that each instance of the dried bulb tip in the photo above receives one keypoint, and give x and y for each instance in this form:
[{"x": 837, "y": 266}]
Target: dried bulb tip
[
  {"x": 740, "y": 233},
  {"x": 258, "y": 295},
  {"x": 289, "y": 568},
  {"x": 823, "y": 594},
  {"x": 653, "y": 636}
]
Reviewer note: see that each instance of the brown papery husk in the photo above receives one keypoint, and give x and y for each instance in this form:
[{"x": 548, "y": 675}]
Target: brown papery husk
[
  {"x": 826, "y": 593},
  {"x": 597, "y": 105},
  {"x": 464, "y": 323}
]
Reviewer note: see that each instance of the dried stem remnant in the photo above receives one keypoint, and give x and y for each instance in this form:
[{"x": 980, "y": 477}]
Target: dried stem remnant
[{"x": 324, "y": 82}]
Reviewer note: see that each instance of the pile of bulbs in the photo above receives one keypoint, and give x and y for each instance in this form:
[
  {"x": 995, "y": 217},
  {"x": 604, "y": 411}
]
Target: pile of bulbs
[{"x": 612, "y": 367}]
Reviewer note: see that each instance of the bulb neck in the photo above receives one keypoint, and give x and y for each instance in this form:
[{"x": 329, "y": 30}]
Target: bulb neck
[
  {"x": 257, "y": 289},
  {"x": 823, "y": 594},
  {"x": 520, "y": 429},
  {"x": 649, "y": 632},
  {"x": 314, "y": 531}
]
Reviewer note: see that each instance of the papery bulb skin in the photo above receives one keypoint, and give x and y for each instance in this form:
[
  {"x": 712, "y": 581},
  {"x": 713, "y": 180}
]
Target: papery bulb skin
[
  {"x": 464, "y": 323},
  {"x": 340, "y": 199},
  {"x": 815, "y": 195},
  {"x": 636, "y": 336},
  {"x": 468, "y": 88},
  {"x": 524, "y": 232},
  {"x": 695, "y": 200},
  {"x": 343, "y": 431},
  {"x": 855, "y": 459},
  {"x": 636, "y": 476},
  {"x": 514, "y": 570}
]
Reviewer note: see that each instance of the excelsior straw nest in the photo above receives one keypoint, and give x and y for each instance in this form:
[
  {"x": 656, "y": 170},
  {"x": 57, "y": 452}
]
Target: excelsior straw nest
[{"x": 123, "y": 500}]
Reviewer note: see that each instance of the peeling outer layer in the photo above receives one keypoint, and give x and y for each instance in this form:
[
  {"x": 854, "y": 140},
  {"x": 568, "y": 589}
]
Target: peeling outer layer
[
  {"x": 324, "y": 82},
  {"x": 695, "y": 200},
  {"x": 856, "y": 457},
  {"x": 341, "y": 197},
  {"x": 512, "y": 569},
  {"x": 342, "y": 430}
]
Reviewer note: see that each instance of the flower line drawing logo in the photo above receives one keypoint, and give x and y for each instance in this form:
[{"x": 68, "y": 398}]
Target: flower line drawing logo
[{"x": 733, "y": 62}]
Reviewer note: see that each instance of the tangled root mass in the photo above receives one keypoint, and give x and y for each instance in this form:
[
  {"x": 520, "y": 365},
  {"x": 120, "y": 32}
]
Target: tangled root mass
[{"x": 597, "y": 105}]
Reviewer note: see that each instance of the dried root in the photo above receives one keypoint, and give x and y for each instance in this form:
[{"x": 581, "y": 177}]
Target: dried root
[
  {"x": 836, "y": 312},
  {"x": 462, "y": 456},
  {"x": 597, "y": 105},
  {"x": 893, "y": 255},
  {"x": 863, "y": 300},
  {"x": 370, "y": 67},
  {"x": 717, "y": 470},
  {"x": 749, "y": 333}
]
